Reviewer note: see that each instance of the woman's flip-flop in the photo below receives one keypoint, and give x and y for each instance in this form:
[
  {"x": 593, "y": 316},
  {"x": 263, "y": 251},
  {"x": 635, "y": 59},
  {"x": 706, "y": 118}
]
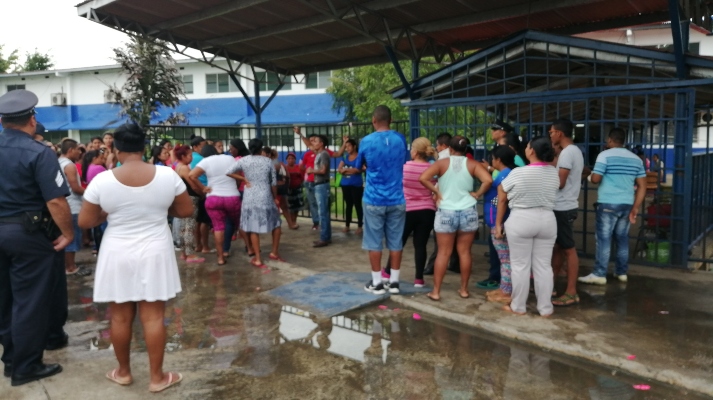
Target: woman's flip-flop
[
  {"x": 257, "y": 265},
  {"x": 276, "y": 258},
  {"x": 111, "y": 375},
  {"x": 173, "y": 378},
  {"x": 432, "y": 298},
  {"x": 461, "y": 295}
]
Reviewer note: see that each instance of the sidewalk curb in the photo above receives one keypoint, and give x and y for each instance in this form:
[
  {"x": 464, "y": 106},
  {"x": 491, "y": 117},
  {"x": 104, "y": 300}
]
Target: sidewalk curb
[{"x": 540, "y": 341}]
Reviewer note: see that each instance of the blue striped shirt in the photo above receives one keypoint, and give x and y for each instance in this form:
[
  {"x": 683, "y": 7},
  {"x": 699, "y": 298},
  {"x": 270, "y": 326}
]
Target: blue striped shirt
[{"x": 619, "y": 169}]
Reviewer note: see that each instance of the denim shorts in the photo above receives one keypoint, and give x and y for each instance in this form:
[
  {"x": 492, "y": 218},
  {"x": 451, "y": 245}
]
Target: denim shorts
[
  {"x": 383, "y": 222},
  {"x": 452, "y": 221},
  {"x": 76, "y": 244}
]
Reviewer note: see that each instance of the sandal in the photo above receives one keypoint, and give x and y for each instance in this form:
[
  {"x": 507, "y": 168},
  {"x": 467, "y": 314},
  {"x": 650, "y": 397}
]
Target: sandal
[
  {"x": 566, "y": 300},
  {"x": 433, "y": 298},
  {"x": 276, "y": 258},
  {"x": 171, "y": 381},
  {"x": 507, "y": 308},
  {"x": 195, "y": 260},
  {"x": 111, "y": 375},
  {"x": 467, "y": 295},
  {"x": 257, "y": 265}
]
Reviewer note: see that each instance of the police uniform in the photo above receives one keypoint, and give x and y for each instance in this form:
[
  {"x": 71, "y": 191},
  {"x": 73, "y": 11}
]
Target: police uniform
[{"x": 28, "y": 261}]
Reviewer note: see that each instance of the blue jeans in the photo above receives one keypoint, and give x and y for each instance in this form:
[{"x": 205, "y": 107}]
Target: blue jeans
[
  {"x": 313, "y": 209},
  {"x": 612, "y": 219},
  {"x": 321, "y": 194}
]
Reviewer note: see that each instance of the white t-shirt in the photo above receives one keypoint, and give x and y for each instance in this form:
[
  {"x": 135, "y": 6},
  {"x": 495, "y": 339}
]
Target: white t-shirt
[
  {"x": 568, "y": 197},
  {"x": 135, "y": 212},
  {"x": 215, "y": 168},
  {"x": 445, "y": 153},
  {"x": 532, "y": 187}
]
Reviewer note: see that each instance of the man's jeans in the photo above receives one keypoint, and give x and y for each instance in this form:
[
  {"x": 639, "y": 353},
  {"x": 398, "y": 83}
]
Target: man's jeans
[
  {"x": 612, "y": 220},
  {"x": 313, "y": 209},
  {"x": 321, "y": 193}
]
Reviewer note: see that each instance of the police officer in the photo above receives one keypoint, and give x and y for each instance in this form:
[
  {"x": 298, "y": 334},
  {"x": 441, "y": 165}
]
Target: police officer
[{"x": 32, "y": 190}]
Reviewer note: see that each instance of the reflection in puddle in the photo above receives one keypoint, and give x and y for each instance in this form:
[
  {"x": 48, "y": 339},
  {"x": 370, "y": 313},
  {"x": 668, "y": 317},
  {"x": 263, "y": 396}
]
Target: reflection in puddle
[{"x": 257, "y": 349}]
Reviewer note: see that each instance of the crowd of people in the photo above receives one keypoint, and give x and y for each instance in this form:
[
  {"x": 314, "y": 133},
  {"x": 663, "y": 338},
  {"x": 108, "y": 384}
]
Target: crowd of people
[{"x": 110, "y": 192}]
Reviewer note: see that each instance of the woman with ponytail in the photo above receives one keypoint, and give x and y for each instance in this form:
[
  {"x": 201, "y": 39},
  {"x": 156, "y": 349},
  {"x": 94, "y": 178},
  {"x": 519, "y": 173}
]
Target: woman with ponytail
[
  {"x": 457, "y": 217},
  {"x": 503, "y": 161},
  {"x": 531, "y": 229}
]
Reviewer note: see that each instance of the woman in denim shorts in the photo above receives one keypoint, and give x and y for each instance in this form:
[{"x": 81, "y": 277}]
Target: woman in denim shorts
[{"x": 456, "y": 217}]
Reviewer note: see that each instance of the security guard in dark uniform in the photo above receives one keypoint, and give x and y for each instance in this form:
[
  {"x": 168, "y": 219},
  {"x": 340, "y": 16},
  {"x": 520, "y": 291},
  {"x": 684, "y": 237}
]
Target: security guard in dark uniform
[{"x": 35, "y": 223}]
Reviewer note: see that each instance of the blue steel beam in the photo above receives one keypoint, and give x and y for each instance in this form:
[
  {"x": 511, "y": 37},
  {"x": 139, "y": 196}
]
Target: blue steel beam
[
  {"x": 258, "y": 113},
  {"x": 414, "y": 115},
  {"x": 247, "y": 98},
  {"x": 680, "y": 44},
  {"x": 399, "y": 71}
]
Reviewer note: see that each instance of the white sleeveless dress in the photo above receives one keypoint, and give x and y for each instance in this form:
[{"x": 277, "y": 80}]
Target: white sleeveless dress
[{"x": 137, "y": 261}]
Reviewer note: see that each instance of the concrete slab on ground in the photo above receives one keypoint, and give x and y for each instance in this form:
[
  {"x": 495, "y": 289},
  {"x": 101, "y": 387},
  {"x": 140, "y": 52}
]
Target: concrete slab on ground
[{"x": 332, "y": 293}]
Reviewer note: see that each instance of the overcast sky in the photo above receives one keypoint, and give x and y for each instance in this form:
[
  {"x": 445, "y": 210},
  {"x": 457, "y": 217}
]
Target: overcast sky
[{"x": 53, "y": 26}]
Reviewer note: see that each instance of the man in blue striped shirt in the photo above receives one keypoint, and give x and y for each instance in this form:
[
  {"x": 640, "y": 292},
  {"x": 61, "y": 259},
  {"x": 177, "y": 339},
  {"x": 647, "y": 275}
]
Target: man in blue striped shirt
[{"x": 616, "y": 170}]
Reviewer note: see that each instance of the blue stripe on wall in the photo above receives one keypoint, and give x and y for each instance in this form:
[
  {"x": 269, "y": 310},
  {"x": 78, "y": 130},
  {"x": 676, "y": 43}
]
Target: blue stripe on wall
[{"x": 284, "y": 109}]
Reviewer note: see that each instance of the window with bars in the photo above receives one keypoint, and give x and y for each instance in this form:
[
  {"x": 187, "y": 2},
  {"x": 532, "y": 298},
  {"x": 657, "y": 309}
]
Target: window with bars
[
  {"x": 319, "y": 80},
  {"x": 187, "y": 83},
  {"x": 15, "y": 87},
  {"x": 219, "y": 83},
  {"x": 269, "y": 81}
]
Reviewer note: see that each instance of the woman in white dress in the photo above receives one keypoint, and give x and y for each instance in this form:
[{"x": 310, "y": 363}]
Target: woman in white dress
[{"x": 136, "y": 269}]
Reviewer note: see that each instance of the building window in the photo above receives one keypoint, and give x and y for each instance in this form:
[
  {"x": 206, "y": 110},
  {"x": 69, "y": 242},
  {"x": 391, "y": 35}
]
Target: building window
[
  {"x": 15, "y": 87},
  {"x": 269, "y": 81},
  {"x": 219, "y": 83},
  {"x": 319, "y": 80},
  {"x": 187, "y": 83}
]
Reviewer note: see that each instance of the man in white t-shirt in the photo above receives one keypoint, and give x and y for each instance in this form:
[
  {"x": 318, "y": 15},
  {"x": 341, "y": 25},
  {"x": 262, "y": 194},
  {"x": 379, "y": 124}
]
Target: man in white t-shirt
[{"x": 570, "y": 164}]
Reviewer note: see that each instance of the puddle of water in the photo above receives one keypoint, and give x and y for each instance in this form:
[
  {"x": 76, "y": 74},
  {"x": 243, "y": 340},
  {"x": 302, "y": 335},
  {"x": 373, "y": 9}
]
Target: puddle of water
[{"x": 256, "y": 349}]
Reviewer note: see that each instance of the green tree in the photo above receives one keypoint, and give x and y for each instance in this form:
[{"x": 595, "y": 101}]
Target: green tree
[
  {"x": 8, "y": 64},
  {"x": 357, "y": 91},
  {"x": 153, "y": 81},
  {"x": 37, "y": 61}
]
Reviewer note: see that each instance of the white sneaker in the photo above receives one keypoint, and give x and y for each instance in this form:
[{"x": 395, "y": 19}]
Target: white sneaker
[
  {"x": 621, "y": 278},
  {"x": 593, "y": 280}
]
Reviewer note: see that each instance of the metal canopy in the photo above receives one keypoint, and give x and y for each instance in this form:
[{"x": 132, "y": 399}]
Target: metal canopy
[
  {"x": 293, "y": 37},
  {"x": 533, "y": 64}
]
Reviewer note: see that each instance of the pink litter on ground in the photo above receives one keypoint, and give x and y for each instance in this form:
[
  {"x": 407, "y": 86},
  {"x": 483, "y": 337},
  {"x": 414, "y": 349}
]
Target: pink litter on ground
[
  {"x": 267, "y": 271},
  {"x": 642, "y": 387},
  {"x": 416, "y": 316},
  {"x": 383, "y": 307},
  {"x": 397, "y": 309},
  {"x": 631, "y": 357},
  {"x": 663, "y": 312}
]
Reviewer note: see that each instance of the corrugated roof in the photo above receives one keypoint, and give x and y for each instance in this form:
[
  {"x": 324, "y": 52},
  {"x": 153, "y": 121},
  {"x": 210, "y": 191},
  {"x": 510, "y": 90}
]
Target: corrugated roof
[{"x": 302, "y": 36}]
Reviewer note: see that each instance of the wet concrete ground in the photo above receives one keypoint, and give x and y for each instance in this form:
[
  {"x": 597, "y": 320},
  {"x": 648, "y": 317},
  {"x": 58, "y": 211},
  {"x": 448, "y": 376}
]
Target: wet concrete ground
[{"x": 229, "y": 341}]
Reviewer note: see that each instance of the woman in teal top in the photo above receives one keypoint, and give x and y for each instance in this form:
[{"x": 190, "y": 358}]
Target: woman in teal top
[{"x": 456, "y": 217}]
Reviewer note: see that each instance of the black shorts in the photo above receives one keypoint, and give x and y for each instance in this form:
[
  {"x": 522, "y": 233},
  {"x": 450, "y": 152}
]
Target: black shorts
[
  {"x": 202, "y": 217},
  {"x": 565, "y": 229}
]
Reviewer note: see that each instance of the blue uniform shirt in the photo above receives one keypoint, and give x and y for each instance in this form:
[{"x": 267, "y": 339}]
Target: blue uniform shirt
[
  {"x": 31, "y": 174},
  {"x": 384, "y": 154}
]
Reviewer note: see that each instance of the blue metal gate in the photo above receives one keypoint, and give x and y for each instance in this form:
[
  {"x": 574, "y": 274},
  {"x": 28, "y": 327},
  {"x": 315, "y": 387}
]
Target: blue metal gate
[{"x": 658, "y": 121}]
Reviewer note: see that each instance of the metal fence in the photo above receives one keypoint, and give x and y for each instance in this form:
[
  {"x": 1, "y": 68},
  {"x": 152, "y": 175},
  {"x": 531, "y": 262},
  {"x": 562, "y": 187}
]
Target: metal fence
[
  {"x": 284, "y": 140},
  {"x": 701, "y": 248}
]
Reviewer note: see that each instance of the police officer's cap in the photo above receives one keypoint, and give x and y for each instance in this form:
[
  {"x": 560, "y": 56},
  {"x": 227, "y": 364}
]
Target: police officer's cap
[
  {"x": 17, "y": 104},
  {"x": 501, "y": 126}
]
